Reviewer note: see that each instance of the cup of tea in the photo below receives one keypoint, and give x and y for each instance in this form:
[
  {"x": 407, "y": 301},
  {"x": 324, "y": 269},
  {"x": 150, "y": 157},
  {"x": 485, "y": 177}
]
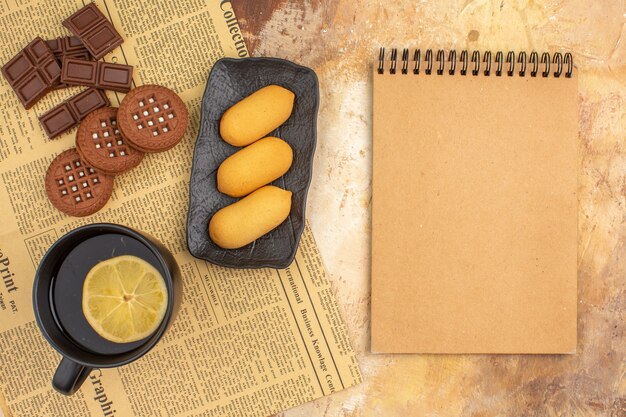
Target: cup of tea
[{"x": 82, "y": 303}]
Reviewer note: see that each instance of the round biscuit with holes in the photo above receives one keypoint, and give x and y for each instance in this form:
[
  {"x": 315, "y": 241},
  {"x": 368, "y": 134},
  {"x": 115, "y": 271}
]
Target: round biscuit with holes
[
  {"x": 100, "y": 143},
  {"x": 152, "y": 118},
  {"x": 76, "y": 188}
]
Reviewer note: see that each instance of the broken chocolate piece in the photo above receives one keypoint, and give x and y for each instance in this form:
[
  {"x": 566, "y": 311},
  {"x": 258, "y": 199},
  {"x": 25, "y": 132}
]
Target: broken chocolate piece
[
  {"x": 102, "y": 75},
  {"x": 33, "y": 72},
  {"x": 94, "y": 30},
  {"x": 69, "y": 113}
]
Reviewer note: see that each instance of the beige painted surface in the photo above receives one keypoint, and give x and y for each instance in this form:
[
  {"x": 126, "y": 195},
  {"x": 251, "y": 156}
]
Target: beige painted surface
[{"x": 339, "y": 39}]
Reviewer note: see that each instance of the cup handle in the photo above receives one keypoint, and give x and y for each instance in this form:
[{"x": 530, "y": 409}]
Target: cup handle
[{"x": 69, "y": 376}]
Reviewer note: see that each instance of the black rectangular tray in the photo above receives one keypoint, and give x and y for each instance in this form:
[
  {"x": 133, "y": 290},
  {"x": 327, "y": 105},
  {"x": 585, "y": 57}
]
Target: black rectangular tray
[{"x": 230, "y": 81}]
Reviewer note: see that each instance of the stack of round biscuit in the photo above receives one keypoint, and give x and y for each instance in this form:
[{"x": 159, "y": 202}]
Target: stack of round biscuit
[{"x": 111, "y": 141}]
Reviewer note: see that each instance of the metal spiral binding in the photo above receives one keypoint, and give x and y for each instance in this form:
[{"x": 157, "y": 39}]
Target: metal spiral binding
[
  {"x": 522, "y": 60},
  {"x": 564, "y": 63},
  {"x": 394, "y": 60},
  {"x": 381, "y": 61},
  {"x": 405, "y": 61},
  {"x": 534, "y": 59},
  {"x": 476, "y": 61},
  {"x": 510, "y": 59},
  {"x": 452, "y": 61},
  {"x": 499, "y": 61},
  {"x": 442, "y": 61},
  {"x": 429, "y": 60},
  {"x": 464, "y": 61},
  {"x": 416, "y": 58},
  {"x": 487, "y": 61}
]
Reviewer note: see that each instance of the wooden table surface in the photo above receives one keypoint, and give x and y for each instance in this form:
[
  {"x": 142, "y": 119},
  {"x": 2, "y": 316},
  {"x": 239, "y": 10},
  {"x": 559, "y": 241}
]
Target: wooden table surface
[{"x": 339, "y": 40}]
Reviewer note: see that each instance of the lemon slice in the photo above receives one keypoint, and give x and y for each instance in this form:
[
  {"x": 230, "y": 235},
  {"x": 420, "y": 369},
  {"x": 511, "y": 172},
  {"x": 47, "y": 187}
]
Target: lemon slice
[{"x": 124, "y": 299}]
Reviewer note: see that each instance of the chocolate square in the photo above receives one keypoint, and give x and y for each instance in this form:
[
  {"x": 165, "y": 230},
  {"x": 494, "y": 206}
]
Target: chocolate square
[
  {"x": 84, "y": 19},
  {"x": 17, "y": 67},
  {"x": 73, "y": 44},
  {"x": 87, "y": 101},
  {"x": 51, "y": 71},
  {"x": 115, "y": 77},
  {"x": 31, "y": 89},
  {"x": 79, "y": 72},
  {"x": 103, "y": 39},
  {"x": 38, "y": 50},
  {"x": 55, "y": 45}
]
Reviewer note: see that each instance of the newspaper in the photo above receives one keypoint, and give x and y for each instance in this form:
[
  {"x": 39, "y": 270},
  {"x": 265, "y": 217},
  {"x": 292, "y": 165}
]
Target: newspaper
[{"x": 245, "y": 342}]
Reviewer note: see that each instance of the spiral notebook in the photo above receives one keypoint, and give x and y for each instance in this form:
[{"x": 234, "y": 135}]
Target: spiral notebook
[{"x": 474, "y": 206}]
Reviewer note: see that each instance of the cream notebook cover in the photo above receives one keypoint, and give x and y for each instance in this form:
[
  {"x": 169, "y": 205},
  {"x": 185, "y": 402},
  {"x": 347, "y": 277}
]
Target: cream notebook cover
[{"x": 474, "y": 213}]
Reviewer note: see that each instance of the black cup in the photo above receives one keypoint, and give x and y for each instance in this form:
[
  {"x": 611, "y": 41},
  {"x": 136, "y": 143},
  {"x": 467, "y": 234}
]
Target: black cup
[{"x": 77, "y": 360}]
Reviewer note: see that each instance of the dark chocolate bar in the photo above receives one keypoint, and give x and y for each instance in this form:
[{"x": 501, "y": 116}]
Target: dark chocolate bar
[
  {"x": 32, "y": 72},
  {"x": 69, "y": 113},
  {"x": 102, "y": 75},
  {"x": 69, "y": 46},
  {"x": 94, "y": 30}
]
